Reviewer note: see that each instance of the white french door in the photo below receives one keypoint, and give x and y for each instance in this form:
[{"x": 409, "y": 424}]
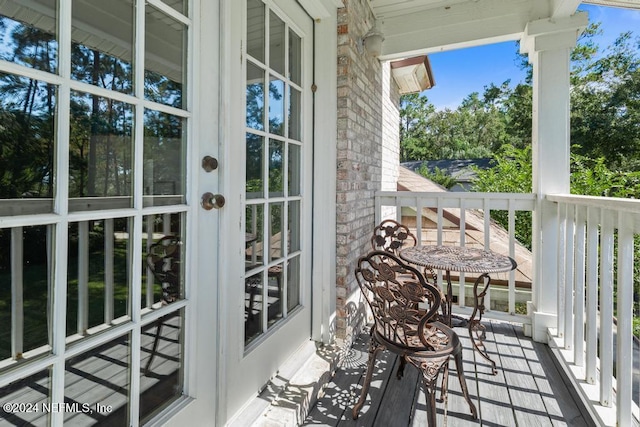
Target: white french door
[
  {"x": 270, "y": 150},
  {"x": 96, "y": 209}
]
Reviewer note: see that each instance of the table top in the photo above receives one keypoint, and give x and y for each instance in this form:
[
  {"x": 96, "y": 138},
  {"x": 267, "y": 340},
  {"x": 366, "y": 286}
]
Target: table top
[{"x": 458, "y": 258}]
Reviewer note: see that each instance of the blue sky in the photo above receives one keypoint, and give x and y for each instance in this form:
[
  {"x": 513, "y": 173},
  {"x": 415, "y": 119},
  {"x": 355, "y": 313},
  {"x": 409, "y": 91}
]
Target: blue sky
[{"x": 460, "y": 72}]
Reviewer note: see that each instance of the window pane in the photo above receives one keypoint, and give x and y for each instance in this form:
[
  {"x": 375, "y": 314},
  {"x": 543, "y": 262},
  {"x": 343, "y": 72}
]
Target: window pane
[
  {"x": 179, "y": 5},
  {"x": 102, "y": 47},
  {"x": 29, "y": 34},
  {"x": 35, "y": 389},
  {"x": 295, "y": 114},
  {"x": 25, "y": 277},
  {"x": 255, "y": 29},
  {"x": 98, "y": 276},
  {"x": 294, "y": 175},
  {"x": 276, "y": 43},
  {"x": 255, "y": 166},
  {"x": 99, "y": 379},
  {"x": 294, "y": 226},
  {"x": 275, "y": 231},
  {"x": 293, "y": 284},
  {"x": 253, "y": 307},
  {"x": 276, "y": 168},
  {"x": 161, "y": 376},
  {"x": 255, "y": 97},
  {"x": 27, "y": 136},
  {"x": 100, "y": 153},
  {"x": 254, "y": 237},
  {"x": 163, "y": 252},
  {"x": 275, "y": 293},
  {"x": 164, "y": 59},
  {"x": 276, "y": 106},
  {"x": 295, "y": 57},
  {"x": 164, "y": 163}
]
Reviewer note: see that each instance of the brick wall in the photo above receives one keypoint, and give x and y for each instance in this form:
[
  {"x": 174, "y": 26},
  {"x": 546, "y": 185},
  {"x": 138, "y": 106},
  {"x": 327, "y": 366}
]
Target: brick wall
[{"x": 367, "y": 116}]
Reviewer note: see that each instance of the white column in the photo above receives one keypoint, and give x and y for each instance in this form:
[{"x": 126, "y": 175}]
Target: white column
[{"x": 548, "y": 44}]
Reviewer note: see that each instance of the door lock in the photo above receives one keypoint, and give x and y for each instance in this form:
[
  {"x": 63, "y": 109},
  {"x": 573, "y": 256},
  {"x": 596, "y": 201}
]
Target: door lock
[
  {"x": 209, "y": 163},
  {"x": 211, "y": 201}
]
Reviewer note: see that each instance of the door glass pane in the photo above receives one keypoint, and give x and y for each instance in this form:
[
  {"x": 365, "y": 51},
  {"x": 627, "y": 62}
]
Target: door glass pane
[
  {"x": 294, "y": 226},
  {"x": 179, "y": 5},
  {"x": 294, "y": 175},
  {"x": 254, "y": 236},
  {"x": 295, "y": 58},
  {"x": 100, "y": 153},
  {"x": 276, "y": 168},
  {"x": 276, "y": 43},
  {"x": 161, "y": 364},
  {"x": 102, "y": 46},
  {"x": 295, "y": 114},
  {"x": 28, "y": 34},
  {"x": 255, "y": 29},
  {"x": 255, "y": 166},
  {"x": 275, "y": 294},
  {"x": 98, "y": 276},
  {"x": 293, "y": 283},
  {"x": 275, "y": 231},
  {"x": 27, "y": 138},
  {"x": 34, "y": 389},
  {"x": 97, "y": 382},
  {"x": 253, "y": 307},
  {"x": 164, "y": 162},
  {"x": 165, "y": 41},
  {"x": 255, "y": 97},
  {"x": 276, "y": 106},
  {"x": 25, "y": 293},
  {"x": 163, "y": 253}
]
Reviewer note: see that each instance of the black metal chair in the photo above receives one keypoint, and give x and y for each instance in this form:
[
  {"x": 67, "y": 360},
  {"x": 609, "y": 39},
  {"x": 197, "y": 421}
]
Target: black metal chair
[
  {"x": 405, "y": 312},
  {"x": 164, "y": 261},
  {"x": 392, "y": 236}
]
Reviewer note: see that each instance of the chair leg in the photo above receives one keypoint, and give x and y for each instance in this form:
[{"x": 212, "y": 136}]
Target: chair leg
[
  {"x": 374, "y": 349},
  {"x": 445, "y": 383},
  {"x": 400, "y": 372},
  {"x": 463, "y": 384}
]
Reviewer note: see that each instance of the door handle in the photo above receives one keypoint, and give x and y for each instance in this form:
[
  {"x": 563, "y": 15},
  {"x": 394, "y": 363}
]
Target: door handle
[{"x": 211, "y": 201}]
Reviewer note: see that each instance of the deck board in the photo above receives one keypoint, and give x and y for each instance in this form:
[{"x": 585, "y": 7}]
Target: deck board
[{"x": 527, "y": 391}]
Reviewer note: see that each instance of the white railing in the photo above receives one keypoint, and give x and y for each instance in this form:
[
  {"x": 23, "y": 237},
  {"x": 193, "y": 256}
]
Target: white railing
[
  {"x": 458, "y": 218},
  {"x": 596, "y": 299}
]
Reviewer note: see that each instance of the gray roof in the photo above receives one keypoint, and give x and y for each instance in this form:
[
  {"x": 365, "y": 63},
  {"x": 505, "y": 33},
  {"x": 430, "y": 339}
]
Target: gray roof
[{"x": 460, "y": 169}]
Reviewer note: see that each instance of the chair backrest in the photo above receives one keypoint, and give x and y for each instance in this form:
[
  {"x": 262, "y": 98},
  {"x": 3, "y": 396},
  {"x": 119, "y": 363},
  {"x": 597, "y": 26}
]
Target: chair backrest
[
  {"x": 393, "y": 291},
  {"x": 391, "y": 236},
  {"x": 164, "y": 261}
]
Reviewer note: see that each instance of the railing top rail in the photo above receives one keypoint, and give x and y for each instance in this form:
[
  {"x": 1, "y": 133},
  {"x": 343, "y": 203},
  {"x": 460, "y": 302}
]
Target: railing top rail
[
  {"x": 455, "y": 195},
  {"x": 612, "y": 203}
]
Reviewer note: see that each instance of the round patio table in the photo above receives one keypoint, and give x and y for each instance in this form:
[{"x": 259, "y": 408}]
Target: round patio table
[{"x": 463, "y": 260}]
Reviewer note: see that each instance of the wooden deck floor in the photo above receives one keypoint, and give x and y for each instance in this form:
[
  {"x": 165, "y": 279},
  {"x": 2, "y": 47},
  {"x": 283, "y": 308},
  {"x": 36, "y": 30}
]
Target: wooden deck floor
[{"x": 527, "y": 391}]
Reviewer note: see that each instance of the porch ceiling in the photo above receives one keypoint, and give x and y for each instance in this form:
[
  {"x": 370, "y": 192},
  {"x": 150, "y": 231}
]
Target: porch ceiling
[{"x": 415, "y": 27}]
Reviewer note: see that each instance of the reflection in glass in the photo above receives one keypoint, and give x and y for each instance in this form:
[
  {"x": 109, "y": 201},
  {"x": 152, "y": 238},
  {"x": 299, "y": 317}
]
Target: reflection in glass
[
  {"x": 179, "y": 5},
  {"x": 276, "y": 168},
  {"x": 27, "y": 135},
  {"x": 100, "y": 151},
  {"x": 28, "y": 34},
  {"x": 275, "y": 230},
  {"x": 105, "y": 372},
  {"x": 275, "y": 294},
  {"x": 276, "y": 106},
  {"x": 164, "y": 163},
  {"x": 98, "y": 275},
  {"x": 255, "y": 29},
  {"x": 295, "y": 114},
  {"x": 161, "y": 364},
  {"x": 25, "y": 277},
  {"x": 276, "y": 43},
  {"x": 293, "y": 284},
  {"x": 295, "y": 174},
  {"x": 255, "y": 97},
  {"x": 294, "y": 226},
  {"x": 255, "y": 165},
  {"x": 295, "y": 57},
  {"x": 253, "y": 307},
  {"x": 254, "y": 237},
  {"x": 34, "y": 389},
  {"x": 163, "y": 253},
  {"x": 102, "y": 48},
  {"x": 164, "y": 59}
]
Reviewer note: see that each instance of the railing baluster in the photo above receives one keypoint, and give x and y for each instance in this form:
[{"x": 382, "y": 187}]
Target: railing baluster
[
  {"x": 512, "y": 254},
  {"x": 606, "y": 310},
  {"x": 463, "y": 242},
  {"x": 568, "y": 288},
  {"x": 580, "y": 227},
  {"x": 419, "y": 208},
  {"x": 83, "y": 277},
  {"x": 17, "y": 293},
  {"x": 108, "y": 270},
  {"x": 562, "y": 237},
  {"x": 486, "y": 206},
  {"x": 624, "y": 332},
  {"x": 592, "y": 295},
  {"x": 149, "y": 283}
]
